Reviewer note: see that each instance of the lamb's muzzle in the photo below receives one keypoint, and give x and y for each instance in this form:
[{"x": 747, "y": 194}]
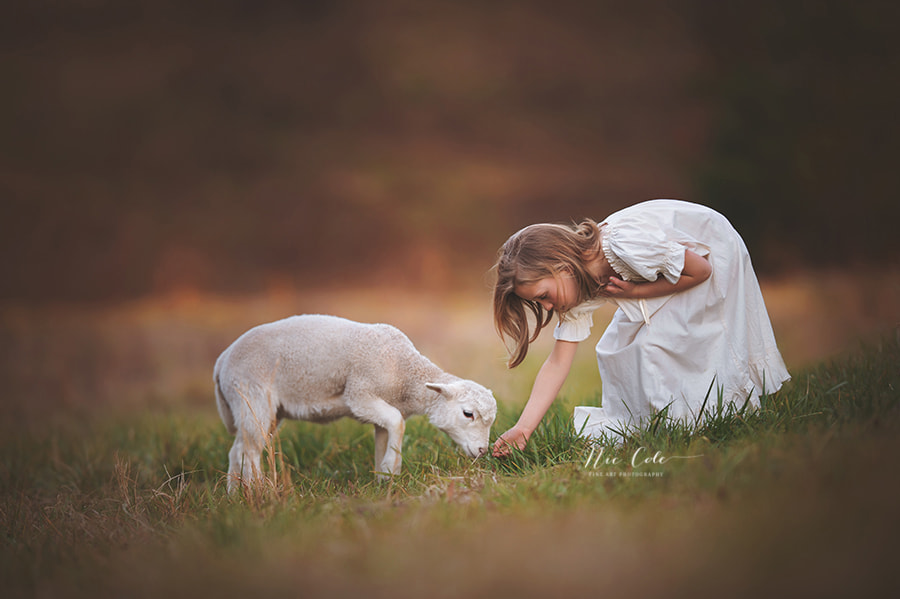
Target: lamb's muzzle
[{"x": 321, "y": 368}]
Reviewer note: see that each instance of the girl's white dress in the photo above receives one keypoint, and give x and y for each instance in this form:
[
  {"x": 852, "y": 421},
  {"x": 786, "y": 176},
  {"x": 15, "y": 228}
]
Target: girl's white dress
[{"x": 668, "y": 351}]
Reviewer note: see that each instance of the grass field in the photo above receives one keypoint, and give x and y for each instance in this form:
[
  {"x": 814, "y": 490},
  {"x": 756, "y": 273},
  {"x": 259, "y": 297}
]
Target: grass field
[{"x": 112, "y": 459}]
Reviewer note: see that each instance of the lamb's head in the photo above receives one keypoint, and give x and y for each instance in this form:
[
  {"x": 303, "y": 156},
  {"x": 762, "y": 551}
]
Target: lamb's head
[{"x": 465, "y": 411}]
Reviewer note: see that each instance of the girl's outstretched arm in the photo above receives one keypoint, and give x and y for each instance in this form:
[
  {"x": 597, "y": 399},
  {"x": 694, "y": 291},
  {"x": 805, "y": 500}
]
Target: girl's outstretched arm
[
  {"x": 547, "y": 384},
  {"x": 696, "y": 270}
]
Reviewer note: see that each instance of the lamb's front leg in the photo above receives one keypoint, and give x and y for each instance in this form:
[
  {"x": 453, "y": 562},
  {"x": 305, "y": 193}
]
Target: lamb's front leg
[
  {"x": 389, "y": 429},
  {"x": 392, "y": 457},
  {"x": 381, "y": 444}
]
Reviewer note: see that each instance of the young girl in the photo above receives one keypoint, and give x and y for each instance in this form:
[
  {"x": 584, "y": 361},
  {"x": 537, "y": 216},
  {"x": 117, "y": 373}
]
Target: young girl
[{"x": 690, "y": 315}]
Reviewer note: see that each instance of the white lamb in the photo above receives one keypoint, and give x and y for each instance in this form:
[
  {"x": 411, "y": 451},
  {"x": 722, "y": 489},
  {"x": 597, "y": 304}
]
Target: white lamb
[{"x": 321, "y": 368}]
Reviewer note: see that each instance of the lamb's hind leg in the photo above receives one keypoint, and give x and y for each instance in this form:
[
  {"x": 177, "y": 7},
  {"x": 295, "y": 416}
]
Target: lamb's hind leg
[
  {"x": 243, "y": 460},
  {"x": 256, "y": 422}
]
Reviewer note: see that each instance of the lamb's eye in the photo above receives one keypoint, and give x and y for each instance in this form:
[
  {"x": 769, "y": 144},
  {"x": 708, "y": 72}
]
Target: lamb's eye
[{"x": 468, "y": 414}]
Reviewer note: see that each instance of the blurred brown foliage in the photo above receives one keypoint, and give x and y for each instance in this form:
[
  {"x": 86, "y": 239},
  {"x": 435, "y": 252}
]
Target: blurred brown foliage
[
  {"x": 231, "y": 146},
  {"x": 805, "y": 137}
]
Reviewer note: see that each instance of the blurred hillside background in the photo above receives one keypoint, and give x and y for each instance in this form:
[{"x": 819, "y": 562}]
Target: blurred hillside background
[{"x": 235, "y": 147}]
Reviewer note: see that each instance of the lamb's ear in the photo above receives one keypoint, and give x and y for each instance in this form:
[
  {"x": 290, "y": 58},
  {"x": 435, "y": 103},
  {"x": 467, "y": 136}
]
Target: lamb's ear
[{"x": 442, "y": 389}]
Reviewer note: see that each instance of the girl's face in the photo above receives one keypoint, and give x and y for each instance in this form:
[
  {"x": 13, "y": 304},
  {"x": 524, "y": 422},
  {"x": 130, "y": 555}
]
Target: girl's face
[{"x": 552, "y": 293}]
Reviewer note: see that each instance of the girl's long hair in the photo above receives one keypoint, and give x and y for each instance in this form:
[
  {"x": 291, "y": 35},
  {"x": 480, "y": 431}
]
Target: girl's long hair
[{"x": 534, "y": 253}]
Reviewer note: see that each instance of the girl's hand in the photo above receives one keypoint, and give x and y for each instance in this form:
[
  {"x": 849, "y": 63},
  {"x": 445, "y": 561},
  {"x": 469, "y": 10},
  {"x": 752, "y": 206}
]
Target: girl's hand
[
  {"x": 616, "y": 287},
  {"x": 515, "y": 437}
]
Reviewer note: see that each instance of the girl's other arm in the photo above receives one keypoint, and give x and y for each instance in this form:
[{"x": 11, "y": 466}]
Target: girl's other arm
[
  {"x": 547, "y": 384},
  {"x": 696, "y": 270}
]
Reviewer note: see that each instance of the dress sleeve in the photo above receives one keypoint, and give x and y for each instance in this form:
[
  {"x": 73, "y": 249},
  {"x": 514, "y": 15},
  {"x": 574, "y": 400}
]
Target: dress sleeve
[
  {"x": 575, "y": 325},
  {"x": 643, "y": 250}
]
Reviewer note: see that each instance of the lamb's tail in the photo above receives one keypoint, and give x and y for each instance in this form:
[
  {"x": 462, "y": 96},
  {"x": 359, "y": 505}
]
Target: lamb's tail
[{"x": 222, "y": 404}]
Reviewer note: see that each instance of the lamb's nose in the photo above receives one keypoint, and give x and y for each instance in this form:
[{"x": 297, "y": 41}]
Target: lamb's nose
[{"x": 482, "y": 451}]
